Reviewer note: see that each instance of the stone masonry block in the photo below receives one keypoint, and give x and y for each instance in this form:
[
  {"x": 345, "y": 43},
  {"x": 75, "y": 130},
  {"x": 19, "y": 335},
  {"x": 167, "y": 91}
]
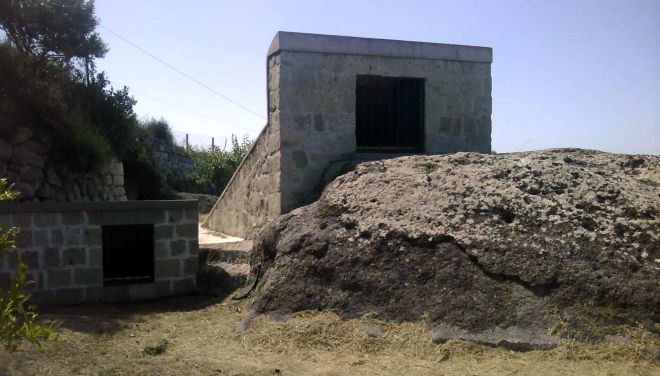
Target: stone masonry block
[
  {"x": 30, "y": 258},
  {"x": 70, "y": 296},
  {"x": 74, "y": 218},
  {"x": 161, "y": 249},
  {"x": 163, "y": 231},
  {"x": 190, "y": 266},
  {"x": 177, "y": 247},
  {"x": 59, "y": 277},
  {"x": 72, "y": 236},
  {"x": 56, "y": 237},
  {"x": 74, "y": 256},
  {"x": 192, "y": 215},
  {"x": 51, "y": 257},
  {"x": 42, "y": 297},
  {"x": 187, "y": 230},
  {"x": 24, "y": 239},
  {"x": 95, "y": 256},
  {"x": 193, "y": 247},
  {"x": 183, "y": 286},
  {"x": 168, "y": 269},
  {"x": 88, "y": 276},
  {"x": 107, "y": 294},
  {"x": 149, "y": 291},
  {"x": 5, "y": 221},
  {"x": 126, "y": 217},
  {"x": 23, "y": 220},
  {"x": 47, "y": 219},
  {"x": 40, "y": 238},
  {"x": 92, "y": 236},
  {"x": 175, "y": 216}
]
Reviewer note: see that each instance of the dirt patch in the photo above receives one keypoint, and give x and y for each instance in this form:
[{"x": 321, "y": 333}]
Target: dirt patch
[{"x": 200, "y": 336}]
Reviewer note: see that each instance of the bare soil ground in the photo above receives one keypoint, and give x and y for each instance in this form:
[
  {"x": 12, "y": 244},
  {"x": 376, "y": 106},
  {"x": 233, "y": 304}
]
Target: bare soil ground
[{"x": 195, "y": 336}]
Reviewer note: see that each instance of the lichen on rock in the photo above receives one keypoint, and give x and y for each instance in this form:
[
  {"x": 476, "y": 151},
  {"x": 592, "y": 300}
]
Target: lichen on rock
[{"x": 483, "y": 244}]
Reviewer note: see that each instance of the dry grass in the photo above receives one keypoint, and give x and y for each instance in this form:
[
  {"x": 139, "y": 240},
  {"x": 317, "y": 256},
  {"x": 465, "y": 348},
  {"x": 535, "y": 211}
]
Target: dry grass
[{"x": 194, "y": 336}]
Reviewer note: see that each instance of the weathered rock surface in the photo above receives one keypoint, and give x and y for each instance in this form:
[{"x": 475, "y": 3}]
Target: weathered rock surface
[
  {"x": 31, "y": 161},
  {"x": 505, "y": 249}
]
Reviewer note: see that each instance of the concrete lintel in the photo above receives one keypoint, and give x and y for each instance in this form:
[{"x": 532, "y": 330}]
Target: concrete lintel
[
  {"x": 45, "y": 207},
  {"x": 333, "y": 44}
]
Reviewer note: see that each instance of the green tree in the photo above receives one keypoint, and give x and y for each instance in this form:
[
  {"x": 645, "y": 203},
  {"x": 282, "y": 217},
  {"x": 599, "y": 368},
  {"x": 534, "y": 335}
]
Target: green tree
[
  {"x": 52, "y": 28},
  {"x": 17, "y": 317}
]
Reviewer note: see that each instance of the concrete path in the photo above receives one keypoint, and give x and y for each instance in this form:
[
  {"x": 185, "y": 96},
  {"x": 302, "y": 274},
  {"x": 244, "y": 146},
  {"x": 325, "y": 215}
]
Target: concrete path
[
  {"x": 224, "y": 262},
  {"x": 207, "y": 236}
]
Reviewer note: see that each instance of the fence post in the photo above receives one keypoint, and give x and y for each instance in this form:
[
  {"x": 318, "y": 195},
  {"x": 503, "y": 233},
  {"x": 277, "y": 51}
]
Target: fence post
[
  {"x": 187, "y": 147},
  {"x": 212, "y": 143}
]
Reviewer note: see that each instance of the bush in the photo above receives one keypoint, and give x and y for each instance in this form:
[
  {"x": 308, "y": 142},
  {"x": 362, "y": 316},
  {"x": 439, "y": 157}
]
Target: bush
[
  {"x": 144, "y": 173},
  {"x": 17, "y": 318},
  {"x": 214, "y": 168},
  {"x": 89, "y": 122},
  {"x": 160, "y": 130}
]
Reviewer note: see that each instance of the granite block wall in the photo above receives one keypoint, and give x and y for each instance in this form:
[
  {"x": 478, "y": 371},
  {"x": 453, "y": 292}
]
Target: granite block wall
[
  {"x": 311, "y": 117},
  {"x": 316, "y": 97},
  {"x": 62, "y": 245}
]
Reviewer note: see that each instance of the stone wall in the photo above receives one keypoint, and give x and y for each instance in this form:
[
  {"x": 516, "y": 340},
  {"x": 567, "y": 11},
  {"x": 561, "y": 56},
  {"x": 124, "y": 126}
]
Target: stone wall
[
  {"x": 311, "y": 117},
  {"x": 25, "y": 161},
  {"x": 175, "y": 162},
  {"x": 317, "y": 110},
  {"x": 62, "y": 245},
  {"x": 252, "y": 196}
]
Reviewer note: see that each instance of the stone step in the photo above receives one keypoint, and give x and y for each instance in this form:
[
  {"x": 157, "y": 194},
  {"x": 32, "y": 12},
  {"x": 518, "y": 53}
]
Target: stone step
[
  {"x": 221, "y": 278},
  {"x": 230, "y": 252}
]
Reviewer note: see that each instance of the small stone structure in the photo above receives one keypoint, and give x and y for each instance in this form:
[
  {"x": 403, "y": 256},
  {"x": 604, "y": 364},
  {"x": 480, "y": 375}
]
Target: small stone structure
[
  {"x": 335, "y": 99},
  {"x": 67, "y": 245}
]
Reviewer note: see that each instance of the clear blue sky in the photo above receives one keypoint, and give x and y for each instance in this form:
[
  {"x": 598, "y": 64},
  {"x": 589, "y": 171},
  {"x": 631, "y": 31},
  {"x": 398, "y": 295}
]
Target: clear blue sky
[{"x": 566, "y": 73}]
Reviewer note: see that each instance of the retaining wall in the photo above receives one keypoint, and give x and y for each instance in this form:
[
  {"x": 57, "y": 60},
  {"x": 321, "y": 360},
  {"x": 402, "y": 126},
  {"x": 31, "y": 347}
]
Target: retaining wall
[
  {"x": 252, "y": 196},
  {"x": 63, "y": 247},
  {"x": 28, "y": 162}
]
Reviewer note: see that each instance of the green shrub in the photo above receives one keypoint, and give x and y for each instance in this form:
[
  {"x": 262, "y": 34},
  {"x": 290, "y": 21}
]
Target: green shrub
[
  {"x": 214, "y": 168},
  {"x": 159, "y": 129},
  {"x": 17, "y": 317}
]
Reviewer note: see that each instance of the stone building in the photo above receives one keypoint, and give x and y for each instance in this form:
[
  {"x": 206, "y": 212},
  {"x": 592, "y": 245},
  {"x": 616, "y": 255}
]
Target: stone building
[{"x": 334, "y": 99}]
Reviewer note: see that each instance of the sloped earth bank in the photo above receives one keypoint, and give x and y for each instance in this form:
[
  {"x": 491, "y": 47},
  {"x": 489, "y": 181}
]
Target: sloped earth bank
[{"x": 518, "y": 250}]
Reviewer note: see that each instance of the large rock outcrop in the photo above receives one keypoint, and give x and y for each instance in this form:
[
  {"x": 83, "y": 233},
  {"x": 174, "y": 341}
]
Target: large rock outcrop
[{"x": 511, "y": 248}]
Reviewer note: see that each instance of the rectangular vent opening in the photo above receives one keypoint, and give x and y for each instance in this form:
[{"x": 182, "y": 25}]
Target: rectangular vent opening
[{"x": 128, "y": 254}]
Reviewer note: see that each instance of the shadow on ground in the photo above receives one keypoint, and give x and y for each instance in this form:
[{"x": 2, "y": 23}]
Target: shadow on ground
[{"x": 111, "y": 318}]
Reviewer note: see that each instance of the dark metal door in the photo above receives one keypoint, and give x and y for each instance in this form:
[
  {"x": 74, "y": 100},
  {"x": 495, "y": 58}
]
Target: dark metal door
[{"x": 389, "y": 114}]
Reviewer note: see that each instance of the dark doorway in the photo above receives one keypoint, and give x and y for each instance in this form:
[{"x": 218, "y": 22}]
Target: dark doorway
[
  {"x": 389, "y": 114},
  {"x": 128, "y": 254}
]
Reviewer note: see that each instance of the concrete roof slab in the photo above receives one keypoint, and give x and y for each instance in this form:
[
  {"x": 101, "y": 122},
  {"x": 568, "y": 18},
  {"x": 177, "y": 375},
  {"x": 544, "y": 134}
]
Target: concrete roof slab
[{"x": 333, "y": 44}]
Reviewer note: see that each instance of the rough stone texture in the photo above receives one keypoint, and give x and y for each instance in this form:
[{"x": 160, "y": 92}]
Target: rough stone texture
[
  {"x": 31, "y": 161},
  {"x": 175, "y": 164},
  {"x": 311, "y": 116},
  {"x": 252, "y": 197},
  {"x": 317, "y": 111},
  {"x": 62, "y": 245},
  {"x": 498, "y": 248}
]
